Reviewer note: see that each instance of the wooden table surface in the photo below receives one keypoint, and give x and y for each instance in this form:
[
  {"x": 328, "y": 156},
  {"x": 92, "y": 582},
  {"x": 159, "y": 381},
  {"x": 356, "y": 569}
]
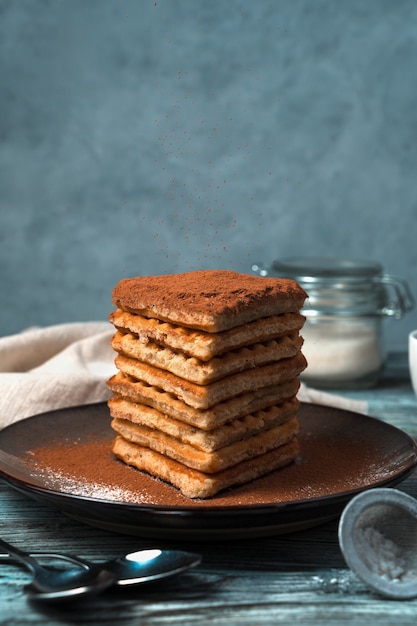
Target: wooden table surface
[{"x": 295, "y": 578}]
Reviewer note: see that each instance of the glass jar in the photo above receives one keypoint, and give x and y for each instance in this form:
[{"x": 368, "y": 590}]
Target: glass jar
[{"x": 347, "y": 301}]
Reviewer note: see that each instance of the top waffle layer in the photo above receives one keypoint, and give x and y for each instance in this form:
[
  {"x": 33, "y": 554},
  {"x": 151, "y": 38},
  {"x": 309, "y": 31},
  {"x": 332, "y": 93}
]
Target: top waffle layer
[{"x": 209, "y": 300}]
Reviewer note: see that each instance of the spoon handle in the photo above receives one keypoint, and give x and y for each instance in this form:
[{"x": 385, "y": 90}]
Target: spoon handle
[
  {"x": 69, "y": 558},
  {"x": 20, "y": 555}
]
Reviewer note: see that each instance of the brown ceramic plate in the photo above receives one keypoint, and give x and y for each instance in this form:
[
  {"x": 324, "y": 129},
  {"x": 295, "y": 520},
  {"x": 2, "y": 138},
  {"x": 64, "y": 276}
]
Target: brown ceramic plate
[{"x": 343, "y": 453}]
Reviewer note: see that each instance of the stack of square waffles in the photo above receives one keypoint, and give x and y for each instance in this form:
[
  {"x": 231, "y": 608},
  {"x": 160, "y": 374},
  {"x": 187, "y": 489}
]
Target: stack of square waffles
[{"x": 208, "y": 365}]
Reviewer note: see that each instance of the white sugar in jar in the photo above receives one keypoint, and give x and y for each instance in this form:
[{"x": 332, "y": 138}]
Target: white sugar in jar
[
  {"x": 347, "y": 301},
  {"x": 341, "y": 352}
]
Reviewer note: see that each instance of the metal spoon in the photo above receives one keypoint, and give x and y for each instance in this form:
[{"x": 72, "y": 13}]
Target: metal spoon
[
  {"x": 378, "y": 538},
  {"x": 136, "y": 567},
  {"x": 54, "y": 585}
]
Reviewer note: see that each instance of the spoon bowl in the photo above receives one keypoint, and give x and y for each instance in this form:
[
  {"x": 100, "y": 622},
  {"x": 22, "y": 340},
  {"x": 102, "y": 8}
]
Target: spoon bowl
[
  {"x": 59, "y": 585},
  {"x": 68, "y": 584},
  {"x": 378, "y": 539},
  {"x": 149, "y": 565}
]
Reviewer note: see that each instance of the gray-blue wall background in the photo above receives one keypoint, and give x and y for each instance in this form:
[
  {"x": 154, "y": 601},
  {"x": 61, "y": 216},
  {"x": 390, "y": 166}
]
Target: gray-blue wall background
[{"x": 146, "y": 137}]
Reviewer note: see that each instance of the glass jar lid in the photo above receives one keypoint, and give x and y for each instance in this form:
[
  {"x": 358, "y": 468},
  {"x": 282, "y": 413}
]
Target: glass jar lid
[{"x": 327, "y": 270}]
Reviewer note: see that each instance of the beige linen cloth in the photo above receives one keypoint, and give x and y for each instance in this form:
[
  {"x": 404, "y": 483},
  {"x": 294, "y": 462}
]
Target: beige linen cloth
[{"x": 43, "y": 369}]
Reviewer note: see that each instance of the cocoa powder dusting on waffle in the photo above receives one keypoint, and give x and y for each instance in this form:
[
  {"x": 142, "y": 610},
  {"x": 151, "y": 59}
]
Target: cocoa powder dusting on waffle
[{"x": 213, "y": 299}]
